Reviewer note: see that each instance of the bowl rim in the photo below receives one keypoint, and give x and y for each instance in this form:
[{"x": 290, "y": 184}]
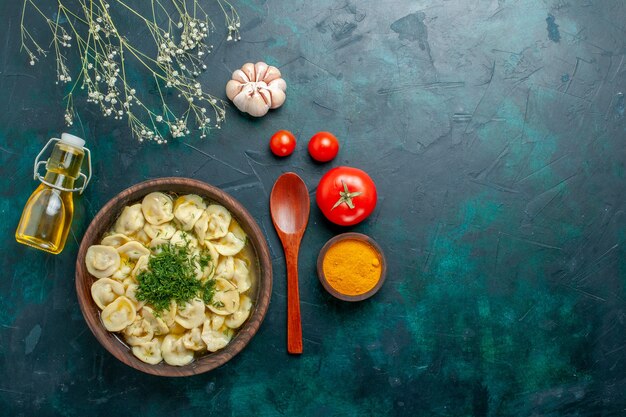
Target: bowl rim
[
  {"x": 102, "y": 222},
  {"x": 351, "y": 236}
]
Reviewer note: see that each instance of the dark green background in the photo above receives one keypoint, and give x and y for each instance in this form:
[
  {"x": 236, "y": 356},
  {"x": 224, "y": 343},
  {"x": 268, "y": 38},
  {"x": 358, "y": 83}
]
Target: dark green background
[{"x": 495, "y": 132}]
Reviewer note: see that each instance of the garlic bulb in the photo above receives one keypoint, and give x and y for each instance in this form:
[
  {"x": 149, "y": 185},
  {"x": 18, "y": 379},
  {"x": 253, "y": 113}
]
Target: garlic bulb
[{"x": 256, "y": 88}]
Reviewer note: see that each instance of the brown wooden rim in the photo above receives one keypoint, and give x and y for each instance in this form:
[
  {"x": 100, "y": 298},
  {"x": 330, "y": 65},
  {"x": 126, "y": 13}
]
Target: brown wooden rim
[
  {"x": 102, "y": 223},
  {"x": 351, "y": 236}
]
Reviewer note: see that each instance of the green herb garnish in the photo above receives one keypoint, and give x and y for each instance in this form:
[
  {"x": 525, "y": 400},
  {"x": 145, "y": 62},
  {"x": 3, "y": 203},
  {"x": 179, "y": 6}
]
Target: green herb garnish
[
  {"x": 171, "y": 276},
  {"x": 208, "y": 290}
]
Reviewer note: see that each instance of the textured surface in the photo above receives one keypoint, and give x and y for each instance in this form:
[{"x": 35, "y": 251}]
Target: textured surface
[{"x": 495, "y": 131}]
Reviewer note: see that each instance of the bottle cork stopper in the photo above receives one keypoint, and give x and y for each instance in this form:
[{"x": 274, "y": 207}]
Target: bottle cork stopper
[{"x": 72, "y": 140}]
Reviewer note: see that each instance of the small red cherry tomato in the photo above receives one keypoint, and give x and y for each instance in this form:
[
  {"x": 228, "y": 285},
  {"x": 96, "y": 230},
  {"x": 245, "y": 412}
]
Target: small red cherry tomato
[
  {"x": 283, "y": 143},
  {"x": 323, "y": 146},
  {"x": 346, "y": 195}
]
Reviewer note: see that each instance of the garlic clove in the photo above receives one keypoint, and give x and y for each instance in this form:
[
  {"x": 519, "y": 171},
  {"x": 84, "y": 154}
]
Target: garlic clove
[
  {"x": 241, "y": 100},
  {"x": 261, "y": 69},
  {"x": 240, "y": 76},
  {"x": 272, "y": 74},
  {"x": 250, "y": 101},
  {"x": 278, "y": 97},
  {"x": 277, "y": 90},
  {"x": 258, "y": 107},
  {"x": 233, "y": 87},
  {"x": 248, "y": 69},
  {"x": 279, "y": 84},
  {"x": 266, "y": 95}
]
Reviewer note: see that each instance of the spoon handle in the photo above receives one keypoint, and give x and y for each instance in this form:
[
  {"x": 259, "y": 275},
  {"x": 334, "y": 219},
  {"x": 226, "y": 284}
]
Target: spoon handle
[{"x": 294, "y": 323}]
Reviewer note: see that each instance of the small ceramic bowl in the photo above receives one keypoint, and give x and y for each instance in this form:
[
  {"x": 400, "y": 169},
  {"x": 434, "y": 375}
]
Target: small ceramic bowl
[{"x": 351, "y": 236}]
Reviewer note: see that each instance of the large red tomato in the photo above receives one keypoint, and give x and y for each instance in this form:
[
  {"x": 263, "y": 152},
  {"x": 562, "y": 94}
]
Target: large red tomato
[{"x": 346, "y": 195}]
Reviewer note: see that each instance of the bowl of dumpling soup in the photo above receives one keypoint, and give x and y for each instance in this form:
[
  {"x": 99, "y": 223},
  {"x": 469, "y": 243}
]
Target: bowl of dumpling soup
[{"x": 173, "y": 277}]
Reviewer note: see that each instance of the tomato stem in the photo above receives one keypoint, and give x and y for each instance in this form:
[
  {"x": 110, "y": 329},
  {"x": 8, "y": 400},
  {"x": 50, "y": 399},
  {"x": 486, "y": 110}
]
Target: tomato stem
[{"x": 346, "y": 196}]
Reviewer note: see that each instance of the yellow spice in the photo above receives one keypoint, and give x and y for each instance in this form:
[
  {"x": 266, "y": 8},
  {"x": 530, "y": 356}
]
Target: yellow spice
[{"x": 352, "y": 267}]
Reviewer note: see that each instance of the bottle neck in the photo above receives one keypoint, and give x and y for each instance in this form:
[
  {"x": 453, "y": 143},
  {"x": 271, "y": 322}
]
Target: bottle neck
[
  {"x": 59, "y": 181},
  {"x": 63, "y": 166}
]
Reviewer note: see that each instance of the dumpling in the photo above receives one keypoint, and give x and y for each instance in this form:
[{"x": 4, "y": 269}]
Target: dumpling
[
  {"x": 215, "y": 320},
  {"x": 201, "y": 226},
  {"x": 218, "y": 221},
  {"x": 203, "y": 263},
  {"x": 192, "y": 339},
  {"x": 236, "y": 230},
  {"x": 203, "y": 273},
  {"x": 157, "y": 324},
  {"x": 229, "y": 245},
  {"x": 235, "y": 320},
  {"x": 131, "y": 294},
  {"x": 225, "y": 299},
  {"x": 124, "y": 270},
  {"x": 174, "y": 351},
  {"x": 149, "y": 352},
  {"x": 156, "y": 245},
  {"x": 191, "y": 314},
  {"x": 241, "y": 275},
  {"x": 188, "y": 210},
  {"x": 181, "y": 238},
  {"x": 214, "y": 254},
  {"x": 208, "y": 271},
  {"x": 104, "y": 291},
  {"x": 169, "y": 314},
  {"x": 133, "y": 250},
  {"x": 142, "y": 237},
  {"x": 102, "y": 261},
  {"x": 130, "y": 221},
  {"x": 138, "y": 332},
  {"x": 157, "y": 208},
  {"x": 164, "y": 231},
  {"x": 119, "y": 314},
  {"x": 141, "y": 265},
  {"x": 225, "y": 268},
  {"x": 215, "y": 339},
  {"x": 116, "y": 240}
]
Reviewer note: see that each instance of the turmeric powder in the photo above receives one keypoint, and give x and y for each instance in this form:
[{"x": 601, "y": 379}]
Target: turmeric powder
[{"x": 352, "y": 267}]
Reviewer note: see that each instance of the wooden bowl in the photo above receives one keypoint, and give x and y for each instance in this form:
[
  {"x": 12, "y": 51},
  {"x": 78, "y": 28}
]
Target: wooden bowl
[
  {"x": 351, "y": 236},
  {"x": 103, "y": 222}
]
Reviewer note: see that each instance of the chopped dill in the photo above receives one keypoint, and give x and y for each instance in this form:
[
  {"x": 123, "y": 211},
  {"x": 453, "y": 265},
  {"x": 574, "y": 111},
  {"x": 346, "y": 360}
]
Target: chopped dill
[
  {"x": 171, "y": 276},
  {"x": 208, "y": 290}
]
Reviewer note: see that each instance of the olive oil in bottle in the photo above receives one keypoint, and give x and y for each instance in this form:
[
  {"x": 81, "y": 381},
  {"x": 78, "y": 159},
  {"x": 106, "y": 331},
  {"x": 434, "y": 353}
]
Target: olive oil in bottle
[{"x": 47, "y": 216}]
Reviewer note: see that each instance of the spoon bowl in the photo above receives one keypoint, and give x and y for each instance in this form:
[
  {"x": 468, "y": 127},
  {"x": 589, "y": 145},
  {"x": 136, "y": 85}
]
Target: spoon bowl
[
  {"x": 290, "y": 207},
  {"x": 290, "y": 204}
]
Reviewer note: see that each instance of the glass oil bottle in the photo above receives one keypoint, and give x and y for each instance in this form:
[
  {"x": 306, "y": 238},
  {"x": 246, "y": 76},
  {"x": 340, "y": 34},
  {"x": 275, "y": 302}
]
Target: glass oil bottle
[{"x": 47, "y": 216}]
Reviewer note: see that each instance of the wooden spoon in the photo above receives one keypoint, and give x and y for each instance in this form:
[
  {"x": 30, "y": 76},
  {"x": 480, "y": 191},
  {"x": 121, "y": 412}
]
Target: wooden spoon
[{"x": 290, "y": 206}]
